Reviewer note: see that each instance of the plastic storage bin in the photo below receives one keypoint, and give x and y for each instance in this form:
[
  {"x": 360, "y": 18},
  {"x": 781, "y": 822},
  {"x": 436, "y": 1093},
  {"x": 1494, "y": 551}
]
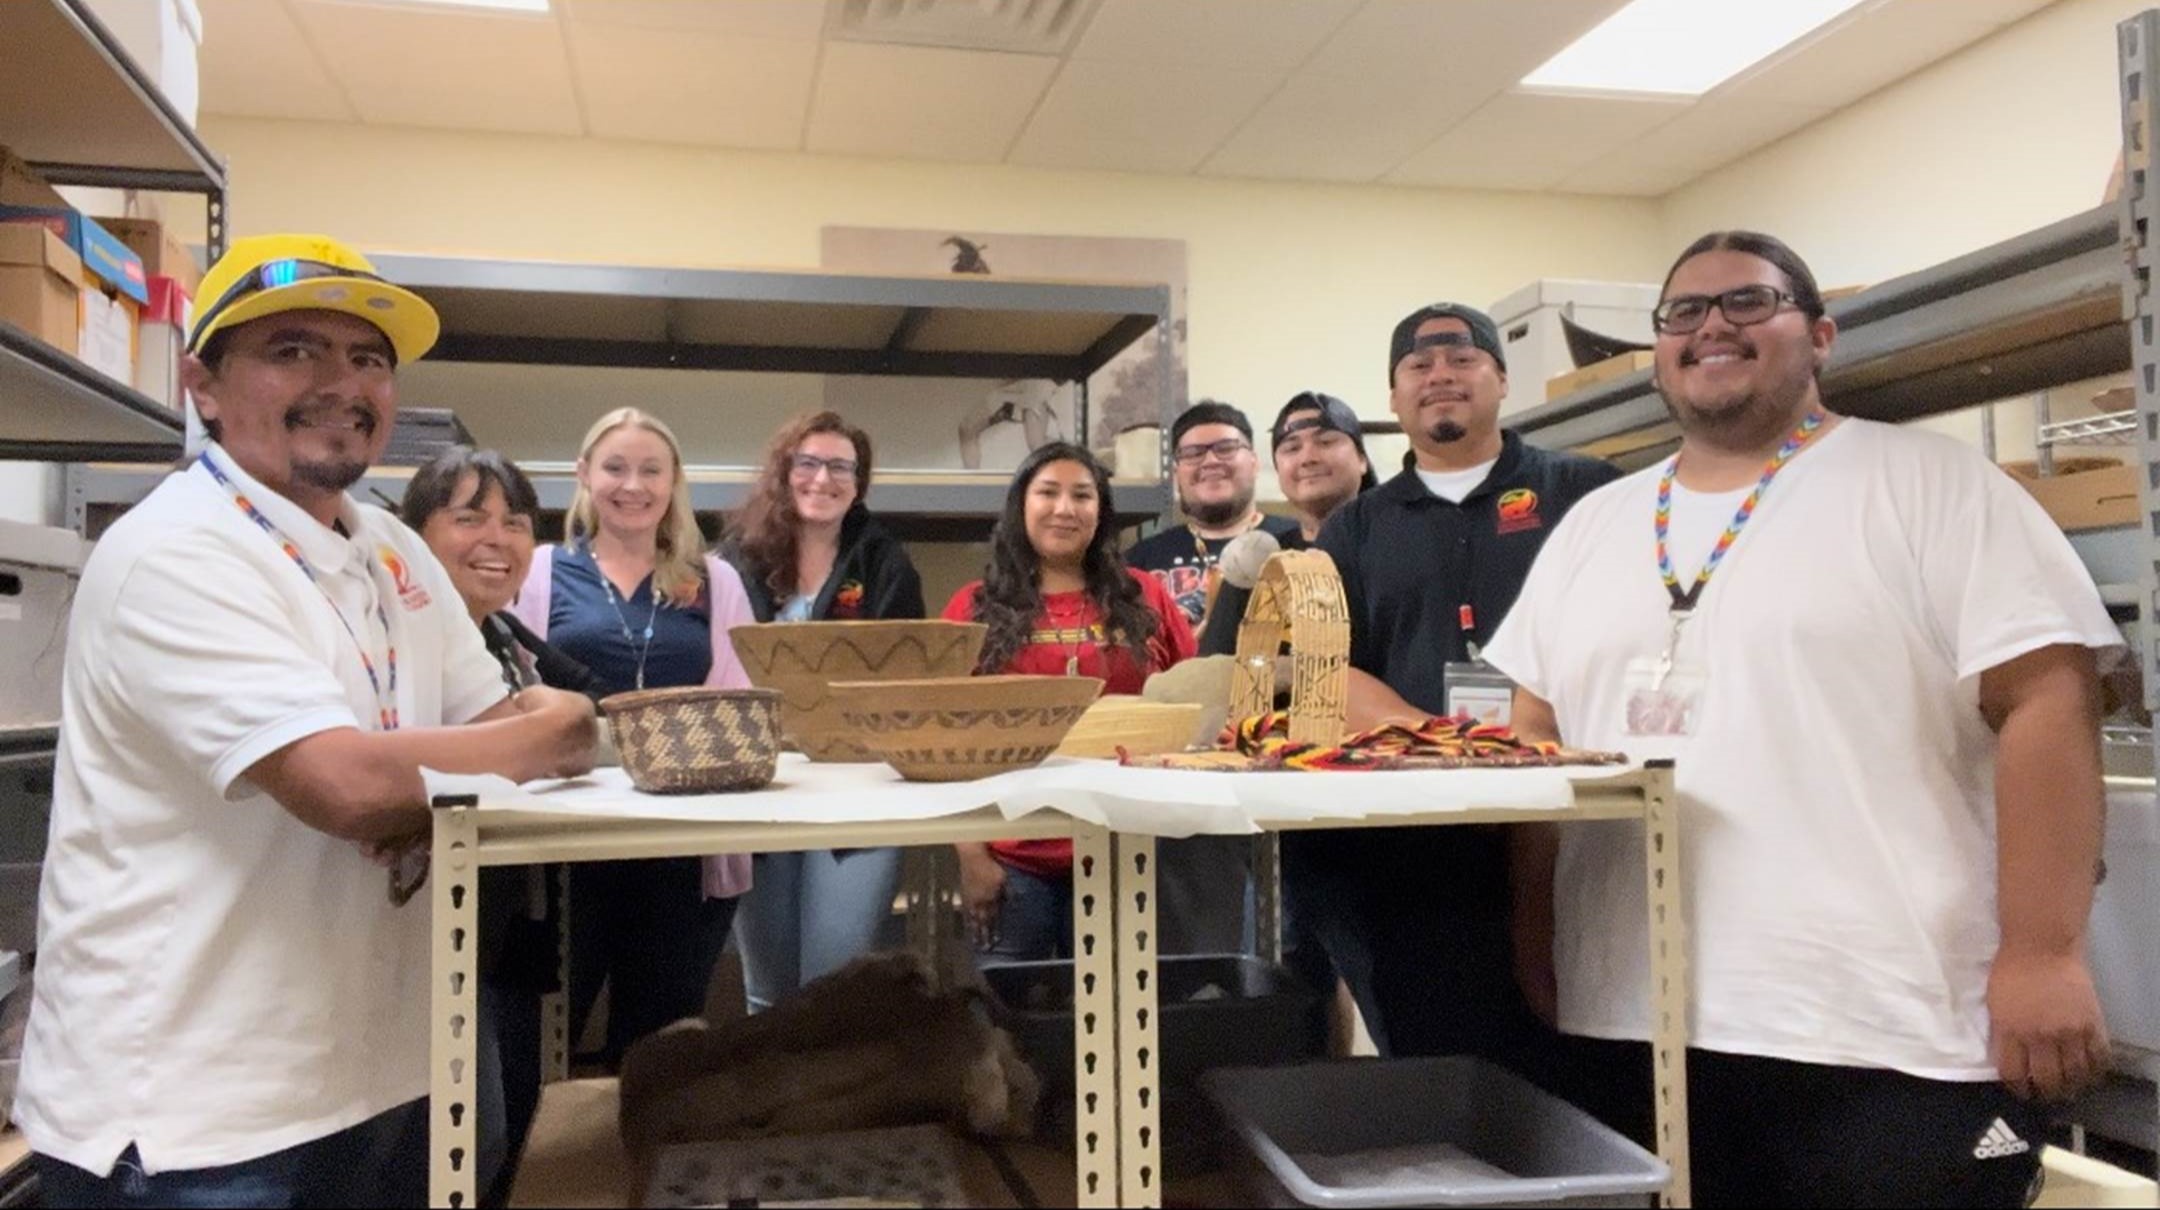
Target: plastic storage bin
[
  {"x": 1216, "y": 1011},
  {"x": 1424, "y": 1132}
]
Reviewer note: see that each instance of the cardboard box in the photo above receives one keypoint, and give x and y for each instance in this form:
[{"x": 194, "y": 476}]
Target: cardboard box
[
  {"x": 162, "y": 253},
  {"x": 19, "y": 186},
  {"x": 1563, "y": 385},
  {"x": 1537, "y": 347},
  {"x": 41, "y": 281},
  {"x": 2092, "y": 499},
  {"x": 161, "y": 339},
  {"x": 106, "y": 333},
  {"x": 105, "y": 257}
]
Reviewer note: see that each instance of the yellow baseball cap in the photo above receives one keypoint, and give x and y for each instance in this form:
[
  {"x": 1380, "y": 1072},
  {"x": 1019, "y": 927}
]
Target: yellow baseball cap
[{"x": 270, "y": 274}]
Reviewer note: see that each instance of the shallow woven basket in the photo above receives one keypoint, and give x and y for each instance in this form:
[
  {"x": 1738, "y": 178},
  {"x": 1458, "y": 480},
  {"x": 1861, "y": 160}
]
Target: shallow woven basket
[
  {"x": 1138, "y": 727},
  {"x": 803, "y": 659},
  {"x": 696, "y": 740},
  {"x": 962, "y": 728}
]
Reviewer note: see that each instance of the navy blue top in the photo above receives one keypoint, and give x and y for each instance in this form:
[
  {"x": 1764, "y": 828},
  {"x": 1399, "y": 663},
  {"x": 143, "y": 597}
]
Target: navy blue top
[{"x": 584, "y": 625}]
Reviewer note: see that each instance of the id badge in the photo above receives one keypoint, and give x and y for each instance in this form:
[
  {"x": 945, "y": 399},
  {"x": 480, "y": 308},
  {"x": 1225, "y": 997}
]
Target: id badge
[
  {"x": 1481, "y": 692},
  {"x": 1663, "y": 699}
]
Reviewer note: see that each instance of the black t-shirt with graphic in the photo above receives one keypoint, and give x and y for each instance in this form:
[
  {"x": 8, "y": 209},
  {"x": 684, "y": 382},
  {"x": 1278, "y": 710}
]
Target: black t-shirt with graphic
[{"x": 1181, "y": 560}]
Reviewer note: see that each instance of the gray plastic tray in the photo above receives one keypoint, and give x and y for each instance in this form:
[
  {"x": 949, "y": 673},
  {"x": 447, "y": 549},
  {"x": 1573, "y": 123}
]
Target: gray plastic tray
[{"x": 1425, "y": 1132}]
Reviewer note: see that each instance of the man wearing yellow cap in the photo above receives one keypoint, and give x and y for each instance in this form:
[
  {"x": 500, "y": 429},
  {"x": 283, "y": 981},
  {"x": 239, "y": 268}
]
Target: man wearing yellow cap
[{"x": 231, "y": 991}]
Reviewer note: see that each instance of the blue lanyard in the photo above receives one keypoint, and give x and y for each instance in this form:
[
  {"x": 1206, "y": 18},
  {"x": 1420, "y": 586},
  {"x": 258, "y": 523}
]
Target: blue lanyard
[{"x": 386, "y": 702}]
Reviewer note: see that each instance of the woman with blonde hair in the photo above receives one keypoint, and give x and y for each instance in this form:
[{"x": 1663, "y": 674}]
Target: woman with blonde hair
[{"x": 632, "y": 595}]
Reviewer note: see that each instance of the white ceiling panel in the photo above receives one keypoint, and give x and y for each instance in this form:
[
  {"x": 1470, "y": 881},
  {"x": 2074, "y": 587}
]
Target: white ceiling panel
[
  {"x": 455, "y": 70},
  {"x": 1171, "y": 120},
  {"x": 683, "y": 86},
  {"x": 910, "y": 101},
  {"x": 1267, "y": 35},
  {"x": 1877, "y": 47},
  {"x": 1498, "y": 41},
  {"x": 786, "y": 20},
  {"x": 1338, "y": 129},
  {"x": 1630, "y": 176},
  {"x": 1703, "y": 137},
  {"x": 1530, "y": 141},
  {"x": 260, "y": 65}
]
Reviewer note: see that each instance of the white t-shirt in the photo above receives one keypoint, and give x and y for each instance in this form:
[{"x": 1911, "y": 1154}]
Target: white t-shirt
[
  {"x": 1837, "y": 812},
  {"x": 1456, "y": 486},
  {"x": 216, "y": 981}
]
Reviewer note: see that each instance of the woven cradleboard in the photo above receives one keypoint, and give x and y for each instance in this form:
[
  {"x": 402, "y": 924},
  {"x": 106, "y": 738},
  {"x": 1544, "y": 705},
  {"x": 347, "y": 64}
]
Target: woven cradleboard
[{"x": 1300, "y": 599}]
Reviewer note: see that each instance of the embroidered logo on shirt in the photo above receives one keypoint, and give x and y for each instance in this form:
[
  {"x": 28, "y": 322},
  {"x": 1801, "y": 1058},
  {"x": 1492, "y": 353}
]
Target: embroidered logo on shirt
[
  {"x": 410, "y": 595},
  {"x": 1519, "y": 512},
  {"x": 847, "y": 602},
  {"x": 2000, "y": 1142}
]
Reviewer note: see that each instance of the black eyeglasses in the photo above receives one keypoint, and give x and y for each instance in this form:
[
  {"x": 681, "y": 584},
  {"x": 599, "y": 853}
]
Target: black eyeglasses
[
  {"x": 808, "y": 465},
  {"x": 1741, "y": 306},
  {"x": 271, "y": 275},
  {"x": 1226, "y": 449}
]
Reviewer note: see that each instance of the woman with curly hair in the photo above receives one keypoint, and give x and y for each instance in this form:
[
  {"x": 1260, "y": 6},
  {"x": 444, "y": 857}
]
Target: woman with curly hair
[
  {"x": 1059, "y": 601},
  {"x": 809, "y": 551}
]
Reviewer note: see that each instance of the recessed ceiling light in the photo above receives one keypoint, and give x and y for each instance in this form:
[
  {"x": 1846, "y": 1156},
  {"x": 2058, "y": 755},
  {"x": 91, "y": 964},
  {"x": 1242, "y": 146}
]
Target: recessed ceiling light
[{"x": 1681, "y": 47}]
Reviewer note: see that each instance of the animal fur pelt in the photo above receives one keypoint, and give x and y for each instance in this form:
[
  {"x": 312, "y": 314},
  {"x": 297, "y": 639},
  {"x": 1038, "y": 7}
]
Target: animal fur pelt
[{"x": 879, "y": 1043}]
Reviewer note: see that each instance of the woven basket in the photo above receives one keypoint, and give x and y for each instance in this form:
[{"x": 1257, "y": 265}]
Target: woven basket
[
  {"x": 696, "y": 740},
  {"x": 962, "y": 728},
  {"x": 803, "y": 659}
]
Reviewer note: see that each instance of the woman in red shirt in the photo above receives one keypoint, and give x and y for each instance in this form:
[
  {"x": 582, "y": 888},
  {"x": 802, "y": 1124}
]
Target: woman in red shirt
[{"x": 1059, "y": 601}]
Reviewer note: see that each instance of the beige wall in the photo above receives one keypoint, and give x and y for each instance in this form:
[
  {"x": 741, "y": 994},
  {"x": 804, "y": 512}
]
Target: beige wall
[{"x": 1291, "y": 285}]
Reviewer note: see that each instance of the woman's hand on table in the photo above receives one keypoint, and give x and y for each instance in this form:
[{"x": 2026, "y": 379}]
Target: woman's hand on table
[
  {"x": 982, "y": 893},
  {"x": 568, "y": 730}
]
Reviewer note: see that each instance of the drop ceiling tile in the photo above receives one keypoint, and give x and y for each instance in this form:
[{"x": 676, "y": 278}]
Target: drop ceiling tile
[
  {"x": 683, "y": 86},
  {"x": 1630, "y": 177},
  {"x": 786, "y": 20},
  {"x": 1493, "y": 42},
  {"x": 1532, "y": 141},
  {"x": 1337, "y": 128},
  {"x": 922, "y": 102},
  {"x": 457, "y": 70},
  {"x": 1172, "y": 119},
  {"x": 259, "y": 64},
  {"x": 1262, "y": 34},
  {"x": 1877, "y": 47}
]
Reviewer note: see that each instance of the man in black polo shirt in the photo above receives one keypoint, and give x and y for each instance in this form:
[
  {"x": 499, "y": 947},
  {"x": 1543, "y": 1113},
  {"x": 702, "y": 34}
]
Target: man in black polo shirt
[{"x": 1417, "y": 919}]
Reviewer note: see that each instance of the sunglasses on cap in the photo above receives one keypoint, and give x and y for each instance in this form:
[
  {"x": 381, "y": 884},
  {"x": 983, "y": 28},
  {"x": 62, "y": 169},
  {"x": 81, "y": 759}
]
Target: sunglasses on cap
[{"x": 273, "y": 275}]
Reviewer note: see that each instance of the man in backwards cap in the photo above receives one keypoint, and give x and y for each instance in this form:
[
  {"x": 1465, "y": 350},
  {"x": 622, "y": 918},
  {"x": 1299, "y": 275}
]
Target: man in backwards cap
[
  {"x": 1417, "y": 920},
  {"x": 1319, "y": 451},
  {"x": 231, "y": 998}
]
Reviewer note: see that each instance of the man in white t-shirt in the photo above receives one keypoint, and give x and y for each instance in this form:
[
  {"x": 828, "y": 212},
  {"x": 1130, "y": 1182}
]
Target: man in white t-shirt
[
  {"x": 231, "y": 998},
  {"x": 1873, "y": 658}
]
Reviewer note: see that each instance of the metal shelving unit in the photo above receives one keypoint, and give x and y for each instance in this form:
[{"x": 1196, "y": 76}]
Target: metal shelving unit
[
  {"x": 88, "y": 116},
  {"x": 538, "y": 313},
  {"x": 1117, "y": 1119},
  {"x": 2029, "y": 313}
]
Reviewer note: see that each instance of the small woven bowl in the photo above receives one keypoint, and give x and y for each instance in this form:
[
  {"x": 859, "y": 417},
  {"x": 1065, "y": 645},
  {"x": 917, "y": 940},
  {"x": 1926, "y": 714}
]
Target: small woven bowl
[{"x": 696, "y": 740}]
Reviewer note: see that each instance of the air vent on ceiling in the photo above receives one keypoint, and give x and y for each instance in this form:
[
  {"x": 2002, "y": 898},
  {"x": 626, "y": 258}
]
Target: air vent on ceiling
[{"x": 1027, "y": 27}]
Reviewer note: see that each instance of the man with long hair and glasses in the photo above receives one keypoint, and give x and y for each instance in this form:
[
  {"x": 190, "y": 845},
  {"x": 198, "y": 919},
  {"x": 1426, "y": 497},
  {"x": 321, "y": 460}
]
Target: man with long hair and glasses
[
  {"x": 1059, "y": 602},
  {"x": 1873, "y": 658},
  {"x": 231, "y": 999}
]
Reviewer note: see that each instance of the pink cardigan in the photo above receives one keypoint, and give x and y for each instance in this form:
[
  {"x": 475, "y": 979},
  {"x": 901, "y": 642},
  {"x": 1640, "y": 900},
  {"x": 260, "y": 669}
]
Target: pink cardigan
[{"x": 725, "y": 877}]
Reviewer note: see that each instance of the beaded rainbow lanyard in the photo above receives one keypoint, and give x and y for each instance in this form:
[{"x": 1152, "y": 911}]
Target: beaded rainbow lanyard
[
  {"x": 1684, "y": 601},
  {"x": 385, "y": 699}
]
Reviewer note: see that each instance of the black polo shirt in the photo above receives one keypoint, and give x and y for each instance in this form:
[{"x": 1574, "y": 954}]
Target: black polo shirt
[{"x": 1425, "y": 577}]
